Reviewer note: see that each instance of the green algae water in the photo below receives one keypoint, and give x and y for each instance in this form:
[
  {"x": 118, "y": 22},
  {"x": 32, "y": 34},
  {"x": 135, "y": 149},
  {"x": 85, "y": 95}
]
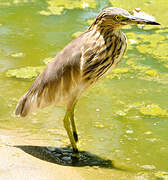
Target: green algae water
[{"x": 124, "y": 117}]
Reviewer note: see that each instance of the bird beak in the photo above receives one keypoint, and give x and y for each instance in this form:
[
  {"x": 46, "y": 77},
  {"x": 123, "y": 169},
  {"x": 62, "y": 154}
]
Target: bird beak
[{"x": 137, "y": 20}]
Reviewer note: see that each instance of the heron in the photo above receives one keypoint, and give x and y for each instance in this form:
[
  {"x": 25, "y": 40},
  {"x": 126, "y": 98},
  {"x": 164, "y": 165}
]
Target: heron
[{"x": 79, "y": 65}]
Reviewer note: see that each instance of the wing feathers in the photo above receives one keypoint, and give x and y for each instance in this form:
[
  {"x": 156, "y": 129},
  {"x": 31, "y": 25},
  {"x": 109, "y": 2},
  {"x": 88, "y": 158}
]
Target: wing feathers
[{"x": 56, "y": 83}]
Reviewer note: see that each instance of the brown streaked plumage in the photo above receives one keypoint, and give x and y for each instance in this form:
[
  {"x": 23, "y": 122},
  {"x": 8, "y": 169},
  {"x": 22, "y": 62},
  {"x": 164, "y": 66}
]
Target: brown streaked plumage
[{"x": 79, "y": 65}]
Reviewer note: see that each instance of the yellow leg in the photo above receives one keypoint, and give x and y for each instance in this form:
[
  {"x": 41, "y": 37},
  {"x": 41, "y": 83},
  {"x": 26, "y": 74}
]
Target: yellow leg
[
  {"x": 73, "y": 125},
  {"x": 68, "y": 129}
]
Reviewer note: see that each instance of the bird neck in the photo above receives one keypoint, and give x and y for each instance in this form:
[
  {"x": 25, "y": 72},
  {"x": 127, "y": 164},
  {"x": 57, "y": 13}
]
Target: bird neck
[{"x": 105, "y": 31}]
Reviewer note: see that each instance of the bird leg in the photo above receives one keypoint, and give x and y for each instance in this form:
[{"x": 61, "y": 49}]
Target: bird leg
[
  {"x": 73, "y": 124},
  {"x": 68, "y": 129}
]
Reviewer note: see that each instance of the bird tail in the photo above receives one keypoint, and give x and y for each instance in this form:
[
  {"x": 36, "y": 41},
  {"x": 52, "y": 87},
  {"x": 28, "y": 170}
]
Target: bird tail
[{"x": 27, "y": 104}]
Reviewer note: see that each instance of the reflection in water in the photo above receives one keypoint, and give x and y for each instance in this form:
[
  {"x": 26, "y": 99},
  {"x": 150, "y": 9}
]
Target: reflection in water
[{"x": 65, "y": 156}]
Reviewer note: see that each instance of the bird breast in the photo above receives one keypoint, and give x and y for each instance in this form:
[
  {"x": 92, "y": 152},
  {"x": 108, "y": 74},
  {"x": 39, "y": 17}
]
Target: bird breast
[{"x": 102, "y": 52}]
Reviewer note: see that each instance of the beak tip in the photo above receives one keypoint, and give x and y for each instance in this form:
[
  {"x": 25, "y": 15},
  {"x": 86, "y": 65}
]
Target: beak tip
[{"x": 156, "y": 23}]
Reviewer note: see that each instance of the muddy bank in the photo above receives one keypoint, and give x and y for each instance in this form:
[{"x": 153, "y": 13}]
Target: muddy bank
[
  {"x": 17, "y": 164},
  {"x": 24, "y": 157}
]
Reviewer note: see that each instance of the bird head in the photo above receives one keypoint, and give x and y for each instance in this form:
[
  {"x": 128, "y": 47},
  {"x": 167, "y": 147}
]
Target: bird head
[{"x": 117, "y": 17}]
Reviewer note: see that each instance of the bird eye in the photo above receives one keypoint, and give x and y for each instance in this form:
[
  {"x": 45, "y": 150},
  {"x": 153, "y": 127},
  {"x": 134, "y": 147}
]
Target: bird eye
[{"x": 117, "y": 18}]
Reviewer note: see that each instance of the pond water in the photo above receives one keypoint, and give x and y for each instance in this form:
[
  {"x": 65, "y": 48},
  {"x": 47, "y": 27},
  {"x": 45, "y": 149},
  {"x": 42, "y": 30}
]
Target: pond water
[{"x": 124, "y": 117}]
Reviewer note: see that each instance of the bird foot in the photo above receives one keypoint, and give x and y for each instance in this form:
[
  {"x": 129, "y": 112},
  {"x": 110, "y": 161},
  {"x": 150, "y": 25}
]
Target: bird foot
[{"x": 75, "y": 151}]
